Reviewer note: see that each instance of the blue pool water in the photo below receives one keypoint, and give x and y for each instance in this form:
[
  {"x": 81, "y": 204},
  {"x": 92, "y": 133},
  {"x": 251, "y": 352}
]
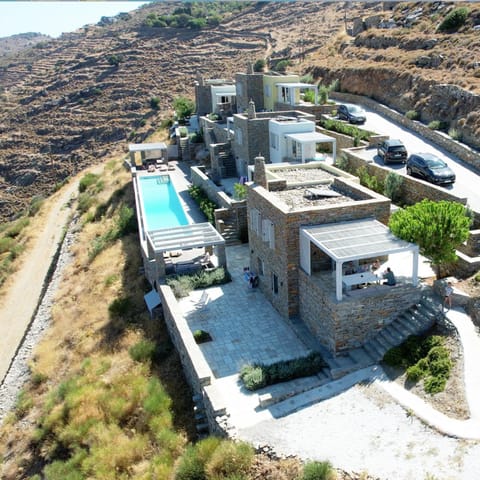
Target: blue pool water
[{"x": 161, "y": 205}]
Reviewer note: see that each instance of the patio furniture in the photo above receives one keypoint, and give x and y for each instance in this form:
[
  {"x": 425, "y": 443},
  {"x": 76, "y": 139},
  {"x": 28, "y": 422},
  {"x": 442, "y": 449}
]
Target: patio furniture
[{"x": 359, "y": 278}]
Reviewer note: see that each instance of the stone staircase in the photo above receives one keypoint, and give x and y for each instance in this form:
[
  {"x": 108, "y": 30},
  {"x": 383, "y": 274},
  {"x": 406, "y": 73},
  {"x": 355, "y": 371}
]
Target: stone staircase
[
  {"x": 229, "y": 233},
  {"x": 416, "y": 320}
]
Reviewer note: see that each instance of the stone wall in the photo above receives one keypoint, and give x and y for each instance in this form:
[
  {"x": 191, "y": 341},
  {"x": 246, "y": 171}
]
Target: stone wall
[
  {"x": 465, "y": 153},
  {"x": 316, "y": 110},
  {"x": 249, "y": 87},
  {"x": 412, "y": 190},
  {"x": 203, "y": 98},
  {"x": 196, "y": 369},
  {"x": 284, "y": 259},
  {"x": 348, "y": 324}
]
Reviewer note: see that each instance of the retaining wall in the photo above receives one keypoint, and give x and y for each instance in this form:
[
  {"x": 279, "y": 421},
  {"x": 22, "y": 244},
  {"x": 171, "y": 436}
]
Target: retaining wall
[
  {"x": 197, "y": 371},
  {"x": 465, "y": 153}
]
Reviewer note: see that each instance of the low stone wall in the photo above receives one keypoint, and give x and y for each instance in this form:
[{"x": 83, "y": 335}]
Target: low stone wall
[
  {"x": 317, "y": 110},
  {"x": 465, "y": 153},
  {"x": 412, "y": 190},
  {"x": 348, "y": 324},
  {"x": 196, "y": 369}
]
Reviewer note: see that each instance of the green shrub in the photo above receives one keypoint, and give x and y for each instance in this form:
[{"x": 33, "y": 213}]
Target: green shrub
[
  {"x": 455, "y": 134},
  {"x": 196, "y": 137},
  {"x": 115, "y": 59},
  {"x": 127, "y": 221},
  {"x": 6, "y": 244},
  {"x": 258, "y": 375},
  {"x": 229, "y": 459},
  {"x": 35, "y": 204},
  {"x": 23, "y": 404},
  {"x": 184, "y": 107},
  {"x": 309, "y": 96},
  {"x": 259, "y": 65},
  {"x": 394, "y": 357},
  {"x": 183, "y": 132},
  {"x": 15, "y": 228},
  {"x": 282, "y": 65},
  {"x": 201, "y": 336},
  {"x": 415, "y": 373},
  {"x": 155, "y": 103},
  {"x": 436, "y": 125},
  {"x": 239, "y": 191},
  {"x": 412, "y": 115},
  {"x": 253, "y": 377},
  {"x": 345, "y": 128},
  {"x": 319, "y": 471},
  {"x": 190, "y": 467},
  {"x": 205, "y": 204},
  {"x": 369, "y": 181},
  {"x": 86, "y": 181},
  {"x": 182, "y": 285},
  {"x": 142, "y": 351},
  {"x": 454, "y": 19},
  {"x": 433, "y": 385},
  {"x": 392, "y": 186}
]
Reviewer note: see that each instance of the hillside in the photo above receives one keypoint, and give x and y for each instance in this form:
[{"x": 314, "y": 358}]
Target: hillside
[{"x": 69, "y": 102}]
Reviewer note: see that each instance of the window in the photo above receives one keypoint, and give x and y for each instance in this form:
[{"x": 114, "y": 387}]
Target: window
[
  {"x": 274, "y": 284},
  {"x": 255, "y": 219},
  {"x": 267, "y": 90},
  {"x": 260, "y": 266}
]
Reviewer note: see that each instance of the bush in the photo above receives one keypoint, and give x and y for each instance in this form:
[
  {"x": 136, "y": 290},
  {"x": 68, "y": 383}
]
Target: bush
[
  {"x": 258, "y": 375},
  {"x": 282, "y": 65},
  {"x": 239, "y": 191},
  {"x": 184, "y": 107},
  {"x": 394, "y": 357},
  {"x": 142, "y": 351},
  {"x": 182, "y": 285},
  {"x": 309, "y": 96},
  {"x": 433, "y": 385},
  {"x": 345, "y": 128},
  {"x": 412, "y": 115},
  {"x": 201, "y": 336},
  {"x": 319, "y": 471},
  {"x": 230, "y": 459},
  {"x": 437, "y": 125},
  {"x": 454, "y": 20},
  {"x": 415, "y": 373},
  {"x": 370, "y": 181},
  {"x": 155, "y": 103},
  {"x": 259, "y": 65},
  {"x": 35, "y": 204},
  {"x": 87, "y": 181},
  {"x": 392, "y": 186},
  {"x": 205, "y": 204},
  {"x": 455, "y": 134},
  {"x": 85, "y": 201}
]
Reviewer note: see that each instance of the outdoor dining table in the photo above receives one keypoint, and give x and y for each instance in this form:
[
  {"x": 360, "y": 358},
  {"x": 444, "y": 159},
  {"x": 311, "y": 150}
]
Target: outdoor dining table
[{"x": 359, "y": 278}]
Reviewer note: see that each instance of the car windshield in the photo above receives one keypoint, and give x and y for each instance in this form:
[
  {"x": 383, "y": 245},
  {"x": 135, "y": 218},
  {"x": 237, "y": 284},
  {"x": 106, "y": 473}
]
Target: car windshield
[
  {"x": 397, "y": 148},
  {"x": 435, "y": 163},
  {"x": 355, "y": 109}
]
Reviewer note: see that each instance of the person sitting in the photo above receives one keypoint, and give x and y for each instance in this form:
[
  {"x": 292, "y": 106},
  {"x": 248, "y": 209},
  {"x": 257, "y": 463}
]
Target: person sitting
[
  {"x": 389, "y": 277},
  {"x": 350, "y": 269},
  {"x": 375, "y": 265}
]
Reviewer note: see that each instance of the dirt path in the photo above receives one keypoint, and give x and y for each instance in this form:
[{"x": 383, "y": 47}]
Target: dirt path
[{"x": 23, "y": 291}]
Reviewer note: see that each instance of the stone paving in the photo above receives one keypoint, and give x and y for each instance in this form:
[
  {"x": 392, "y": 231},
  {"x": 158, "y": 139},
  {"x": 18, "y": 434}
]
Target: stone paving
[{"x": 244, "y": 326}]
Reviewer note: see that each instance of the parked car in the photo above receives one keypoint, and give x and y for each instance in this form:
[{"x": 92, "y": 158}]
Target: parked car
[
  {"x": 391, "y": 151},
  {"x": 351, "y": 113},
  {"x": 430, "y": 167}
]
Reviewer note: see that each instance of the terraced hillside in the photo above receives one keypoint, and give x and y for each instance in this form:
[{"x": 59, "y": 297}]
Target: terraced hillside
[{"x": 69, "y": 102}]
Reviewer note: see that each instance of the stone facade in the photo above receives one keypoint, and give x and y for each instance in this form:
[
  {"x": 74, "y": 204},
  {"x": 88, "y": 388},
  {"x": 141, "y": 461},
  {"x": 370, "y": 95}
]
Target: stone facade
[
  {"x": 203, "y": 99},
  {"x": 249, "y": 87},
  {"x": 278, "y": 267},
  {"x": 348, "y": 324}
]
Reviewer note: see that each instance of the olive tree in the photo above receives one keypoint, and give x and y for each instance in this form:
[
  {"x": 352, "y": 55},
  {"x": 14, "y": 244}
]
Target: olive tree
[
  {"x": 438, "y": 228},
  {"x": 184, "y": 107}
]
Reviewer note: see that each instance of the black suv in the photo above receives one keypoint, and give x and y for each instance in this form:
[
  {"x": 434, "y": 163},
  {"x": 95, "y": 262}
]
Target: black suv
[
  {"x": 351, "y": 113},
  {"x": 430, "y": 167},
  {"x": 392, "y": 151}
]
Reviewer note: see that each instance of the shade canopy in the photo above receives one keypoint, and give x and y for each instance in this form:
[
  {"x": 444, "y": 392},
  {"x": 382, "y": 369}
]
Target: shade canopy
[
  {"x": 197, "y": 235},
  {"x": 309, "y": 137},
  {"x": 350, "y": 241},
  {"x": 145, "y": 147}
]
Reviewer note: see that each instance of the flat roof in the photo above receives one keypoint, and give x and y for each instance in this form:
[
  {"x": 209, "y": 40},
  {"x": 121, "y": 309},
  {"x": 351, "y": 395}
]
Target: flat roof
[
  {"x": 142, "y": 147},
  {"x": 356, "y": 239},
  {"x": 184, "y": 237},
  {"x": 296, "y": 85},
  {"x": 308, "y": 137}
]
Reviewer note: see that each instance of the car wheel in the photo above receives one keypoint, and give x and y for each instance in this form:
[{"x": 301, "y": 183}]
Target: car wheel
[{"x": 409, "y": 171}]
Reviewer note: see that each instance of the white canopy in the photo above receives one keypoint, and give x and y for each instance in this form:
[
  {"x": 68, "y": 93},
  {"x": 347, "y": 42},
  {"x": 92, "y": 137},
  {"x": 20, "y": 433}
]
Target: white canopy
[{"x": 354, "y": 240}]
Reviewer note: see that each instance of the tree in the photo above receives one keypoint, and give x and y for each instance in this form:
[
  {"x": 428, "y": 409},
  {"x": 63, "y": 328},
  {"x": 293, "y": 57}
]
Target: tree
[
  {"x": 438, "y": 228},
  {"x": 184, "y": 107}
]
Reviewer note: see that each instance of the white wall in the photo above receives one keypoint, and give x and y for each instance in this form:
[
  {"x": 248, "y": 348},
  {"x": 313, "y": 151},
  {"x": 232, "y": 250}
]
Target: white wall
[{"x": 284, "y": 145}]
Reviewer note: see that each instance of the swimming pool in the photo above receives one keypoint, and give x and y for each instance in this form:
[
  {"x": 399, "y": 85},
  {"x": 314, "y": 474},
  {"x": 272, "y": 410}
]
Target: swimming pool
[{"x": 161, "y": 205}]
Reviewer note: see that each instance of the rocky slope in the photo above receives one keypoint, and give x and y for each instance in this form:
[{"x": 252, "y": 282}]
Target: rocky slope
[{"x": 69, "y": 102}]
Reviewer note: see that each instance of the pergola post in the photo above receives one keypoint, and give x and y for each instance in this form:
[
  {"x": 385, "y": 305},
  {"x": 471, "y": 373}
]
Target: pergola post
[
  {"x": 338, "y": 279},
  {"x": 415, "y": 267}
]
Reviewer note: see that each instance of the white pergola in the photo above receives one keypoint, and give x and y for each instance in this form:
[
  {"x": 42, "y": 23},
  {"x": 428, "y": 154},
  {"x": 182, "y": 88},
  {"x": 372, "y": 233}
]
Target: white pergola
[
  {"x": 159, "y": 148},
  {"x": 309, "y": 138},
  {"x": 197, "y": 235},
  {"x": 293, "y": 87},
  {"x": 350, "y": 241}
]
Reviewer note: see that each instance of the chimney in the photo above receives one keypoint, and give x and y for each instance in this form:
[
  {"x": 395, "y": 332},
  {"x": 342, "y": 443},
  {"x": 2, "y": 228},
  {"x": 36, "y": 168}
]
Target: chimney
[
  {"x": 251, "y": 110},
  {"x": 250, "y": 68},
  {"x": 259, "y": 175}
]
